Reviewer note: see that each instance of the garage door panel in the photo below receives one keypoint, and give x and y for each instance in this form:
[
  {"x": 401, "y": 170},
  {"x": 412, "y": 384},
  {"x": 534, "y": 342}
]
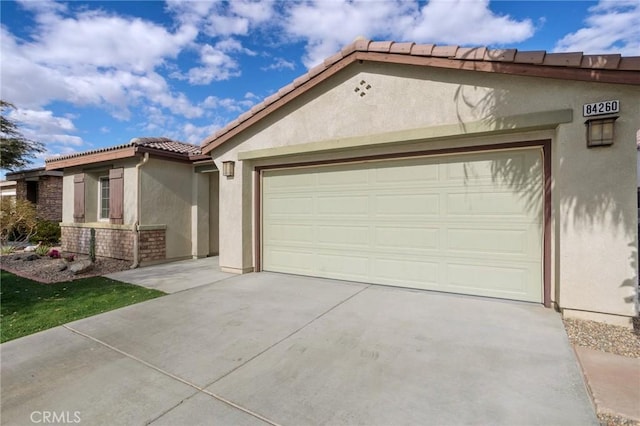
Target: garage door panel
[
  {"x": 412, "y": 175},
  {"x": 416, "y": 273},
  {"x": 487, "y": 240},
  {"x": 344, "y": 235},
  {"x": 420, "y": 238},
  {"x": 287, "y": 206},
  {"x": 449, "y": 223},
  {"x": 294, "y": 261},
  {"x": 338, "y": 178},
  {"x": 286, "y": 233},
  {"x": 342, "y": 206},
  {"x": 406, "y": 205},
  {"x": 485, "y": 204}
]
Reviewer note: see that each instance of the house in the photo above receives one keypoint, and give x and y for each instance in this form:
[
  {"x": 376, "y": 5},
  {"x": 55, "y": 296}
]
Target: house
[
  {"x": 43, "y": 188},
  {"x": 483, "y": 172},
  {"x": 469, "y": 170},
  {"x": 149, "y": 200}
]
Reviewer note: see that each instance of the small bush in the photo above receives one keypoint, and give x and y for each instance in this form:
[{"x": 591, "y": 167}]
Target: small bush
[
  {"x": 48, "y": 232},
  {"x": 7, "y": 249},
  {"x": 18, "y": 220},
  {"x": 54, "y": 254},
  {"x": 42, "y": 250}
]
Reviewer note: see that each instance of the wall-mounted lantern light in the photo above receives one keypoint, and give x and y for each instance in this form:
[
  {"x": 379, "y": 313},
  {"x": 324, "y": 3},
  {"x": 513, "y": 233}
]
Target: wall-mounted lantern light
[
  {"x": 228, "y": 168},
  {"x": 600, "y": 131}
]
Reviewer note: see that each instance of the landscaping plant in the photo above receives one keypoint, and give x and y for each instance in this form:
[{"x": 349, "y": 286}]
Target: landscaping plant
[
  {"x": 92, "y": 244},
  {"x": 47, "y": 231},
  {"x": 42, "y": 250},
  {"x": 18, "y": 220}
]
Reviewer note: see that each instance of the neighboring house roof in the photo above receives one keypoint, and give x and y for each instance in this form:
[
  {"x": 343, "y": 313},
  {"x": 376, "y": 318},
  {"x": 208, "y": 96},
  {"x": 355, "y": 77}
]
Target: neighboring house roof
[
  {"x": 160, "y": 146},
  {"x": 31, "y": 173},
  {"x": 611, "y": 68}
]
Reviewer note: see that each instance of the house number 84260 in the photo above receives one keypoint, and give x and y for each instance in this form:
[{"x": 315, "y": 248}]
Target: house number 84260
[{"x": 600, "y": 108}]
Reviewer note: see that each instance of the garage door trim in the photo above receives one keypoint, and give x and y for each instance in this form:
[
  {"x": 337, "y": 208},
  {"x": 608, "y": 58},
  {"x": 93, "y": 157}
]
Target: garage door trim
[{"x": 546, "y": 153}]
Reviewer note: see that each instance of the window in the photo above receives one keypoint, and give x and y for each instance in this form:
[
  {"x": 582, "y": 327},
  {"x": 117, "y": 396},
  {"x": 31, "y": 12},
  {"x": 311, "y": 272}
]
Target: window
[{"x": 103, "y": 200}]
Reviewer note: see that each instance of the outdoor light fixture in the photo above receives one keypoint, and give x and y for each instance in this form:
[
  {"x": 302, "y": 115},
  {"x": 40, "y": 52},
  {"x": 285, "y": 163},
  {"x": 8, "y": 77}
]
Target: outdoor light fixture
[
  {"x": 228, "y": 168},
  {"x": 600, "y": 131}
]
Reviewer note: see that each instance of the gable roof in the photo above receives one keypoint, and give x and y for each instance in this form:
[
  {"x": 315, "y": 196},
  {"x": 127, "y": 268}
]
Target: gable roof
[
  {"x": 610, "y": 68},
  {"x": 159, "y": 146}
]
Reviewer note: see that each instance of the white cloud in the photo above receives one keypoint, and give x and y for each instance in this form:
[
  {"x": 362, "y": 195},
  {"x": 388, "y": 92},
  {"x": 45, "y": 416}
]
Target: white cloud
[
  {"x": 229, "y": 104},
  {"x": 611, "y": 27},
  {"x": 466, "y": 23},
  {"x": 92, "y": 58},
  {"x": 43, "y": 126},
  {"x": 279, "y": 64},
  {"x": 45, "y": 121},
  {"x": 326, "y": 26},
  {"x": 195, "y": 134},
  {"x": 217, "y": 64}
]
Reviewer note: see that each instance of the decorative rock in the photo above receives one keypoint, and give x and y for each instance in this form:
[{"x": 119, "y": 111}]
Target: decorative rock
[
  {"x": 61, "y": 266},
  {"x": 81, "y": 266},
  {"x": 31, "y": 257}
]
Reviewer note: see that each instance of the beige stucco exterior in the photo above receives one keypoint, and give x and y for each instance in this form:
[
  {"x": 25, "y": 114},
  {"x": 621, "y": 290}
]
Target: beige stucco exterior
[
  {"x": 407, "y": 108},
  {"x": 172, "y": 197}
]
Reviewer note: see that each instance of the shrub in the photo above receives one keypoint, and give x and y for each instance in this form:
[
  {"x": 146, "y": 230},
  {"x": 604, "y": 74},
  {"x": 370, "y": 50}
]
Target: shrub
[
  {"x": 18, "y": 221},
  {"x": 46, "y": 231},
  {"x": 54, "y": 254},
  {"x": 42, "y": 250},
  {"x": 7, "y": 249}
]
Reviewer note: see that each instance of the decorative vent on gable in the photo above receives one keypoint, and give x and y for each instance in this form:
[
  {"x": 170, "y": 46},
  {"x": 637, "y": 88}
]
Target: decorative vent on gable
[{"x": 362, "y": 88}]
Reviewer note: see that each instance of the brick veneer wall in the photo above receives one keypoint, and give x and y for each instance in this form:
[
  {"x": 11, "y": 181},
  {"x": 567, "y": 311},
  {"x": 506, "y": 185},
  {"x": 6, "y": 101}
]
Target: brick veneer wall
[
  {"x": 115, "y": 243},
  {"x": 153, "y": 245},
  {"x": 50, "y": 198},
  {"x": 49, "y": 204}
]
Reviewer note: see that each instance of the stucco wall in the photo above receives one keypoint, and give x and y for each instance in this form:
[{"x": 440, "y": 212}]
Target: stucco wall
[
  {"x": 214, "y": 223},
  {"x": 92, "y": 174},
  {"x": 594, "y": 250},
  {"x": 166, "y": 194}
]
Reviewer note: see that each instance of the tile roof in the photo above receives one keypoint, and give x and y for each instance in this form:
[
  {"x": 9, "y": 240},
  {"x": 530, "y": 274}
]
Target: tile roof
[
  {"x": 587, "y": 67},
  {"x": 160, "y": 144}
]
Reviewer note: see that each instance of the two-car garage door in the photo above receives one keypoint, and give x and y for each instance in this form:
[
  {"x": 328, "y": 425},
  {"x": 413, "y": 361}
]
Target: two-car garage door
[{"x": 466, "y": 223}]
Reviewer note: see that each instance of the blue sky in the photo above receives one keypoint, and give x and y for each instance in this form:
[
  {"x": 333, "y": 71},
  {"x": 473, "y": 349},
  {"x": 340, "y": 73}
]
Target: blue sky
[{"x": 85, "y": 75}]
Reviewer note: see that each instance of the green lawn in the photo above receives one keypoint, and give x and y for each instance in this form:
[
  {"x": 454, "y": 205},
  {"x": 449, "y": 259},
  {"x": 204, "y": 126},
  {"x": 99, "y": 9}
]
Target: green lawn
[{"x": 27, "y": 306}]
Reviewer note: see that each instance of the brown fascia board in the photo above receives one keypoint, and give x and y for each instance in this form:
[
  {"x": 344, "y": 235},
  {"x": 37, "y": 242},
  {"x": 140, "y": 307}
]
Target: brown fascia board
[
  {"x": 98, "y": 157},
  {"x": 118, "y": 154},
  {"x": 24, "y": 174},
  {"x": 619, "y": 76}
]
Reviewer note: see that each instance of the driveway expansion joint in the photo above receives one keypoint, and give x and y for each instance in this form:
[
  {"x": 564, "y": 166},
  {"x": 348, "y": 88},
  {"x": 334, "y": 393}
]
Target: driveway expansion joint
[
  {"x": 173, "y": 376},
  {"x": 288, "y": 336}
]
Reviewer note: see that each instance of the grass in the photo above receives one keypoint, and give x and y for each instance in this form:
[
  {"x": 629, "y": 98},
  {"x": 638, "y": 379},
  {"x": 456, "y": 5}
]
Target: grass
[{"x": 27, "y": 306}]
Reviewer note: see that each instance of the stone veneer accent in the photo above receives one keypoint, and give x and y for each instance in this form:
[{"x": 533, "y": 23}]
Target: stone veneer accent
[
  {"x": 49, "y": 205},
  {"x": 114, "y": 241}
]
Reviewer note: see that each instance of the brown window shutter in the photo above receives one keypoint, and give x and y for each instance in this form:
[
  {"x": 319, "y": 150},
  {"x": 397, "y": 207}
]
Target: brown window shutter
[
  {"x": 116, "y": 195},
  {"x": 78, "y": 197}
]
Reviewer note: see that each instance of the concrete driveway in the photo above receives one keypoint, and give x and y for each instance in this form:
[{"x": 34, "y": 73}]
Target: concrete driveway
[{"x": 279, "y": 349}]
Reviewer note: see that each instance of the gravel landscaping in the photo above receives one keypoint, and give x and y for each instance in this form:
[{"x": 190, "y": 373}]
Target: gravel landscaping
[{"x": 46, "y": 270}]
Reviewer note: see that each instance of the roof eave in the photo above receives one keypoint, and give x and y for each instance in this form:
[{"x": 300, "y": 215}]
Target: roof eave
[{"x": 99, "y": 157}]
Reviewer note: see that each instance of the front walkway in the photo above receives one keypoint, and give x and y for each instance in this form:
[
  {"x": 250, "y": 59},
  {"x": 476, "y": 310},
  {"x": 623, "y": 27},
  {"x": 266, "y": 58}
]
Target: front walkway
[{"x": 174, "y": 276}]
